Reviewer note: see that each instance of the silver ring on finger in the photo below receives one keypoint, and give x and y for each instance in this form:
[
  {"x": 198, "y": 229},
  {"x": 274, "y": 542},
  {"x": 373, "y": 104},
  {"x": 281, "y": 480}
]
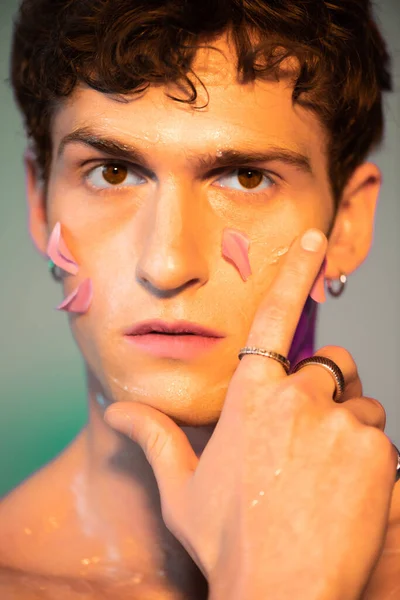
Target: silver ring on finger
[
  {"x": 398, "y": 462},
  {"x": 267, "y": 353},
  {"x": 331, "y": 367}
]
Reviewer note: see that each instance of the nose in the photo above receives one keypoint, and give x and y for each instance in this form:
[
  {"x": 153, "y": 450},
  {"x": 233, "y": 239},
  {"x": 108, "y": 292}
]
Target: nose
[{"x": 174, "y": 251}]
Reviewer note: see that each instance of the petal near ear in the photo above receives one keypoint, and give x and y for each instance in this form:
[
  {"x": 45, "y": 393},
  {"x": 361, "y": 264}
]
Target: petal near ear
[
  {"x": 58, "y": 252},
  {"x": 79, "y": 300}
]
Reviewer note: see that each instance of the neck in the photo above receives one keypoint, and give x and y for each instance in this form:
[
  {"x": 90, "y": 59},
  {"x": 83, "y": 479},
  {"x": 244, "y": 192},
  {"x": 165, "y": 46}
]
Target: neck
[{"x": 118, "y": 502}]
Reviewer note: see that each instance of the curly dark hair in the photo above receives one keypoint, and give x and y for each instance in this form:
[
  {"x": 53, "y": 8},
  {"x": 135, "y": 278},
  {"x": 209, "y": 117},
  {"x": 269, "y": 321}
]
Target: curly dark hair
[{"x": 123, "y": 46}]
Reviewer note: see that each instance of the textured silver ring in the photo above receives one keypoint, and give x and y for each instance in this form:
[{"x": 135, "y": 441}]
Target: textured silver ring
[
  {"x": 330, "y": 366},
  {"x": 398, "y": 463},
  {"x": 267, "y": 353}
]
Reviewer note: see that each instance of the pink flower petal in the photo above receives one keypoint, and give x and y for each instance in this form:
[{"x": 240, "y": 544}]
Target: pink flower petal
[
  {"x": 318, "y": 290},
  {"x": 80, "y": 299},
  {"x": 58, "y": 252},
  {"x": 235, "y": 248}
]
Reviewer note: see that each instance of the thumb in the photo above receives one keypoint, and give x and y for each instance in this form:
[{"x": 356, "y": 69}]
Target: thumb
[{"x": 165, "y": 445}]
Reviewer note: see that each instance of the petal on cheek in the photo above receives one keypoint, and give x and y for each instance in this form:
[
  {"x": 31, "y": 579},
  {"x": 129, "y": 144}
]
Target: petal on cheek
[
  {"x": 80, "y": 299},
  {"x": 58, "y": 252},
  {"x": 235, "y": 248}
]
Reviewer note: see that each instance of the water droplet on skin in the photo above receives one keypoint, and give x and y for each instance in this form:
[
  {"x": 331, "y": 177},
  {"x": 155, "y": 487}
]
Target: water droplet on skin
[
  {"x": 89, "y": 561},
  {"x": 277, "y": 253},
  {"x": 278, "y": 472},
  {"x": 28, "y": 531},
  {"x": 130, "y": 390},
  {"x": 254, "y": 502},
  {"x": 261, "y": 493}
]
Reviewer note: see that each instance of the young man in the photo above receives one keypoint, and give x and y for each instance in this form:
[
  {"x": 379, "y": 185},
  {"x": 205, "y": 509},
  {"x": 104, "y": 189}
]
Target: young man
[{"x": 179, "y": 151}]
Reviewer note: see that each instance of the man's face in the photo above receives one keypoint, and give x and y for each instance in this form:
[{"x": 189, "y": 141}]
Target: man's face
[{"x": 150, "y": 238}]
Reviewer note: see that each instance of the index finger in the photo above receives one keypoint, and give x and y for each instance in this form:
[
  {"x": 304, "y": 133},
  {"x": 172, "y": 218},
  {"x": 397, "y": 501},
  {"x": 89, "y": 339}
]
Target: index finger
[{"x": 278, "y": 315}]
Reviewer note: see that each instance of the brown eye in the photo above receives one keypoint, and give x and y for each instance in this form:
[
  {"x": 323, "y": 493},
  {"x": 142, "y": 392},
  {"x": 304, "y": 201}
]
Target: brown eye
[
  {"x": 114, "y": 174},
  {"x": 249, "y": 178}
]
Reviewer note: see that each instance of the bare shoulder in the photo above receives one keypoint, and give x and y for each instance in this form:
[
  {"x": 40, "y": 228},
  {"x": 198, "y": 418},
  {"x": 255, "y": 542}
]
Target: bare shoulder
[
  {"x": 19, "y": 585},
  {"x": 16, "y": 584},
  {"x": 31, "y": 513},
  {"x": 26, "y": 586}
]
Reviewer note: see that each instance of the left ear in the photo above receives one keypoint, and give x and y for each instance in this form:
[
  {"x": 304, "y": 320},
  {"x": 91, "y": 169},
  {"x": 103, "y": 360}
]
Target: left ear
[{"x": 352, "y": 234}]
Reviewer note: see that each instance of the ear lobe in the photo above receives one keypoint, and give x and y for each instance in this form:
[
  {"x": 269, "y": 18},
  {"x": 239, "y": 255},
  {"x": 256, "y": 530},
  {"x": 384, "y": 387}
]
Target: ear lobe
[
  {"x": 36, "y": 200},
  {"x": 352, "y": 235}
]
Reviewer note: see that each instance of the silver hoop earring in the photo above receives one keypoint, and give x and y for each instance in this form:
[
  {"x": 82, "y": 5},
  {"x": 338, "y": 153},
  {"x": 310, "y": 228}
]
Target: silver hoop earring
[
  {"x": 337, "y": 288},
  {"x": 56, "y": 272}
]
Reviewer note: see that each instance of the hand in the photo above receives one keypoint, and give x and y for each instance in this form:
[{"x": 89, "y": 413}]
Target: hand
[{"x": 291, "y": 496}]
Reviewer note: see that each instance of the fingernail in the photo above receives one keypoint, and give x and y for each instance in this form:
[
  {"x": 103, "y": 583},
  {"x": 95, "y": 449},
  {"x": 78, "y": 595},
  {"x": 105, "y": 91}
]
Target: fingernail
[{"x": 312, "y": 240}]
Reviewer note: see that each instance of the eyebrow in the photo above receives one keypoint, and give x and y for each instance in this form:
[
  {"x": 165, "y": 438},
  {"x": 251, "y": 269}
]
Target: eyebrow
[{"x": 207, "y": 162}]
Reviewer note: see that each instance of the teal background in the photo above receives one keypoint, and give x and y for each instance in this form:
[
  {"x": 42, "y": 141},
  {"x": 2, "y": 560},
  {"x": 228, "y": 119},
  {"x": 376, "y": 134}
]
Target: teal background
[
  {"x": 42, "y": 393},
  {"x": 42, "y": 388}
]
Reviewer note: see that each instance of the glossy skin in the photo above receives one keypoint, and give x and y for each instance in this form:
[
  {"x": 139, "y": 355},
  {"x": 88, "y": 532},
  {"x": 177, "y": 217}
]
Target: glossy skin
[
  {"x": 297, "y": 506},
  {"x": 153, "y": 250}
]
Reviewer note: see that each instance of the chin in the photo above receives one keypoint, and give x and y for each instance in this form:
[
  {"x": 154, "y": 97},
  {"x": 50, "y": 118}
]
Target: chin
[
  {"x": 186, "y": 410},
  {"x": 191, "y": 395}
]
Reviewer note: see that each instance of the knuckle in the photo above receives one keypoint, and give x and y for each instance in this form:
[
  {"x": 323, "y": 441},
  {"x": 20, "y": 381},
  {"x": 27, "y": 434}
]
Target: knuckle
[
  {"x": 380, "y": 413},
  {"x": 379, "y": 447},
  {"x": 342, "y": 420},
  {"x": 155, "y": 444},
  {"x": 297, "y": 394},
  {"x": 275, "y": 311},
  {"x": 367, "y": 410},
  {"x": 374, "y": 438},
  {"x": 299, "y": 385}
]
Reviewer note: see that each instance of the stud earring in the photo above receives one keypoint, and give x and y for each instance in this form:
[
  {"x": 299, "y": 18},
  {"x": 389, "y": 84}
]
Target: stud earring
[
  {"x": 336, "y": 286},
  {"x": 56, "y": 272}
]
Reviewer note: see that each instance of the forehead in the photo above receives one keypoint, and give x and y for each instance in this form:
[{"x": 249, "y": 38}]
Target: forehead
[{"x": 260, "y": 113}]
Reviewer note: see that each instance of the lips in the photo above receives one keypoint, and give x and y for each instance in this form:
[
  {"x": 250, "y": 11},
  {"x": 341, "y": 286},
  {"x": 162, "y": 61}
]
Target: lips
[
  {"x": 176, "y": 327},
  {"x": 180, "y": 340}
]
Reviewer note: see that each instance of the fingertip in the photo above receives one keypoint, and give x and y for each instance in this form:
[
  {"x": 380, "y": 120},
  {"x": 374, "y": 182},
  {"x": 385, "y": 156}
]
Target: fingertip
[
  {"x": 313, "y": 240},
  {"x": 117, "y": 417}
]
